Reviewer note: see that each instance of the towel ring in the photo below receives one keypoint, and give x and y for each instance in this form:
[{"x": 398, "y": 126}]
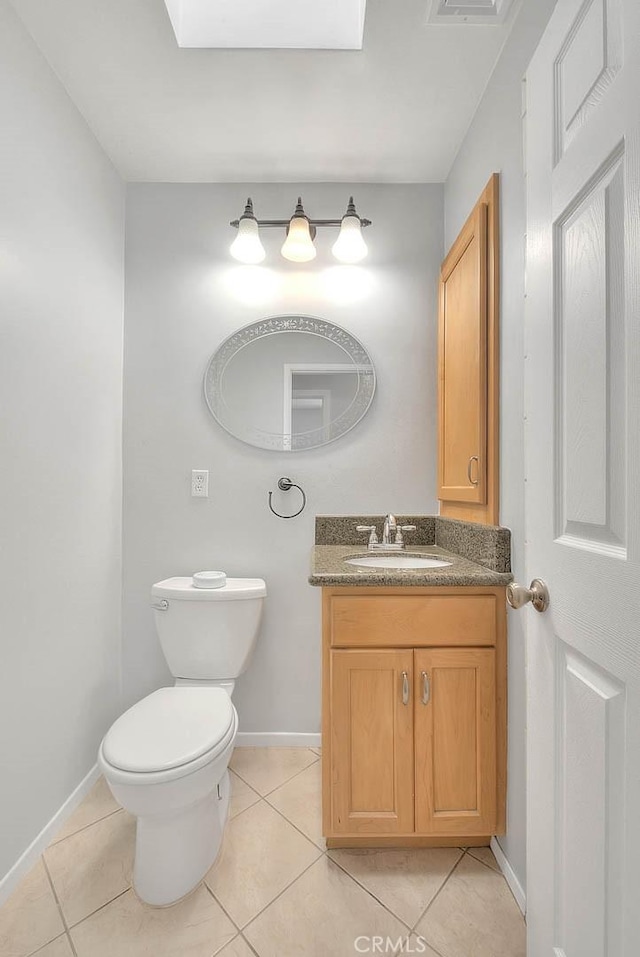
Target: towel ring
[{"x": 285, "y": 484}]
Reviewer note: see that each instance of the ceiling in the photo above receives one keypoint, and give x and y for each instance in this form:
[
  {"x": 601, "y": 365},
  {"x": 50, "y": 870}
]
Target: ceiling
[{"x": 396, "y": 111}]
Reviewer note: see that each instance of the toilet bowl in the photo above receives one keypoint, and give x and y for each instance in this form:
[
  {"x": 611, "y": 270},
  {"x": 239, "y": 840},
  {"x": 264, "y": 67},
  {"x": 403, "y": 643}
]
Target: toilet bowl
[{"x": 166, "y": 758}]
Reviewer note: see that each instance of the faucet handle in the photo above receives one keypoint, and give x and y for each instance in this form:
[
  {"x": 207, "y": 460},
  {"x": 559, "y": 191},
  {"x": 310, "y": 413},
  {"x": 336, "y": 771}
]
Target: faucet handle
[
  {"x": 373, "y": 535},
  {"x": 403, "y": 528}
]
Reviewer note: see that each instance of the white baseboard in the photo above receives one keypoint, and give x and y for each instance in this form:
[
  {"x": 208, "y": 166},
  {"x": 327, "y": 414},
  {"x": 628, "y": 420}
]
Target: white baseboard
[
  {"x": 277, "y": 739},
  {"x": 26, "y": 861},
  {"x": 509, "y": 876}
]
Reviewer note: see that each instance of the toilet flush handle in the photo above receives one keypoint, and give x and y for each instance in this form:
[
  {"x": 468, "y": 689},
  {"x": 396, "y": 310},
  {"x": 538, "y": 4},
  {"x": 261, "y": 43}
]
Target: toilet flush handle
[{"x": 161, "y": 605}]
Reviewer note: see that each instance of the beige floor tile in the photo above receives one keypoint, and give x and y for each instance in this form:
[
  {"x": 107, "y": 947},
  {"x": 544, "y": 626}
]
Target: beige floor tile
[
  {"x": 242, "y": 796},
  {"x": 475, "y": 915},
  {"x": 92, "y": 866},
  {"x": 30, "y": 918},
  {"x": 317, "y": 751},
  {"x": 261, "y": 854},
  {"x": 418, "y": 945},
  {"x": 195, "y": 927},
  {"x": 485, "y": 854},
  {"x": 265, "y": 769},
  {"x": 405, "y": 881},
  {"x": 300, "y": 800},
  {"x": 237, "y": 948},
  {"x": 320, "y": 915},
  {"x": 60, "y": 947},
  {"x": 98, "y": 803}
]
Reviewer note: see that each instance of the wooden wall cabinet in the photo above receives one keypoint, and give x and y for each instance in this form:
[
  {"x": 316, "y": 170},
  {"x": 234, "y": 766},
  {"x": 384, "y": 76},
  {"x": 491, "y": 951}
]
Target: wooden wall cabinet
[
  {"x": 468, "y": 358},
  {"x": 414, "y": 733}
]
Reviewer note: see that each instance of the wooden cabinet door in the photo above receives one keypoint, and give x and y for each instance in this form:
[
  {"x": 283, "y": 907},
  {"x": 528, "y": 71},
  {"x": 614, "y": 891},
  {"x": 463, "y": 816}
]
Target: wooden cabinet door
[
  {"x": 462, "y": 365},
  {"x": 372, "y": 776},
  {"x": 455, "y": 741}
]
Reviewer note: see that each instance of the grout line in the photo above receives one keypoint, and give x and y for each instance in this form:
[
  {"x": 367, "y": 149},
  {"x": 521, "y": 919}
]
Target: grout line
[
  {"x": 294, "y": 826},
  {"x": 439, "y": 891},
  {"x": 248, "y": 807},
  {"x": 59, "y": 905},
  {"x": 244, "y": 811},
  {"x": 296, "y": 775},
  {"x": 221, "y": 906},
  {"x": 283, "y": 891},
  {"x": 366, "y": 889},
  {"x": 34, "y": 953},
  {"x": 495, "y": 870},
  {"x": 250, "y": 946},
  {"x": 240, "y": 778},
  {"x": 84, "y": 827},
  {"x": 498, "y": 873},
  {"x": 102, "y": 907},
  {"x": 282, "y": 784},
  {"x": 430, "y": 945}
]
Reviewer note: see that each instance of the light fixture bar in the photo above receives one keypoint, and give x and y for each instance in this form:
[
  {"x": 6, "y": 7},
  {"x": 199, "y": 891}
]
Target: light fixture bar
[
  {"x": 285, "y": 222},
  {"x": 300, "y": 231}
]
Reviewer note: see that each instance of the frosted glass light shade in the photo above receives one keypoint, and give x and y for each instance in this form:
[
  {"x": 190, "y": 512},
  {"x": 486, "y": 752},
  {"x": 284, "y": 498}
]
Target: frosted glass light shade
[
  {"x": 247, "y": 246},
  {"x": 298, "y": 246},
  {"x": 350, "y": 246}
]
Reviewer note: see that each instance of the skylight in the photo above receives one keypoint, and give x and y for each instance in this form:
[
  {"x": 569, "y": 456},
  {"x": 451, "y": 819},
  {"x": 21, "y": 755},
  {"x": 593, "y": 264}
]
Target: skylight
[{"x": 269, "y": 24}]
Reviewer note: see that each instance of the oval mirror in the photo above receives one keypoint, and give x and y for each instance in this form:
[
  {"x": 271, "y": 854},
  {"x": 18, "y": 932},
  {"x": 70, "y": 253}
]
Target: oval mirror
[{"x": 289, "y": 383}]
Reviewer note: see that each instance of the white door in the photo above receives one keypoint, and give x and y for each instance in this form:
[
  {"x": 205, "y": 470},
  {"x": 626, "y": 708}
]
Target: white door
[{"x": 583, "y": 481}]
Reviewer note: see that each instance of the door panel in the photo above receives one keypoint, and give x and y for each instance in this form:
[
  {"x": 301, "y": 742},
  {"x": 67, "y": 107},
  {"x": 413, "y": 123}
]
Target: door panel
[
  {"x": 591, "y": 708},
  {"x": 462, "y": 375},
  {"x": 372, "y": 742},
  {"x": 590, "y": 379},
  {"x": 583, "y": 469},
  {"x": 455, "y": 740}
]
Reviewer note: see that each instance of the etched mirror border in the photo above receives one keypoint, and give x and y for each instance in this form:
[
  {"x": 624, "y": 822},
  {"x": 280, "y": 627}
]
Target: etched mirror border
[{"x": 277, "y": 441}]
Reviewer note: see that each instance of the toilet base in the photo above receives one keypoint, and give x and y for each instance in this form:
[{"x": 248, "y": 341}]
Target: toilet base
[{"x": 174, "y": 851}]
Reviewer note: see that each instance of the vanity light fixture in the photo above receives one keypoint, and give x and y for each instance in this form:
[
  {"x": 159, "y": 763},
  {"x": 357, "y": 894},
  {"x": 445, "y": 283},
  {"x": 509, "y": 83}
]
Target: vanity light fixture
[
  {"x": 350, "y": 246},
  {"x": 298, "y": 246},
  {"x": 247, "y": 246}
]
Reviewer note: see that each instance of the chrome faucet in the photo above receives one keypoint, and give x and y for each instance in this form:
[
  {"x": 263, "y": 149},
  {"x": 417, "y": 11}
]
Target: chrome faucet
[
  {"x": 389, "y": 528},
  {"x": 392, "y": 537}
]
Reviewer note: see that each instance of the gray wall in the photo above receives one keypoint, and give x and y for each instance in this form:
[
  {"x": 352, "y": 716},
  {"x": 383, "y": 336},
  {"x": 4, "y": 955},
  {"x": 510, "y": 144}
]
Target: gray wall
[
  {"x": 61, "y": 289},
  {"x": 494, "y": 143},
  {"x": 184, "y": 295}
]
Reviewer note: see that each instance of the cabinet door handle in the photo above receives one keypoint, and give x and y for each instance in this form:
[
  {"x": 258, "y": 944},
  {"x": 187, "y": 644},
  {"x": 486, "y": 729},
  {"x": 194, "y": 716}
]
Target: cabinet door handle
[
  {"x": 474, "y": 458},
  {"x": 405, "y": 688},
  {"x": 426, "y": 688}
]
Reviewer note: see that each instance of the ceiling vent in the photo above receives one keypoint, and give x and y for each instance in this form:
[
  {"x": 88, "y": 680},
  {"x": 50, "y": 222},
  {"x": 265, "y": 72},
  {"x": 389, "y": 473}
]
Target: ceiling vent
[
  {"x": 486, "y": 12},
  {"x": 275, "y": 25}
]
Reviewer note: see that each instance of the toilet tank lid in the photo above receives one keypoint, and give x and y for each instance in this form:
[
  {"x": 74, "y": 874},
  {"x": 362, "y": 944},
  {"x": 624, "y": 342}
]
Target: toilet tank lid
[{"x": 235, "y": 589}]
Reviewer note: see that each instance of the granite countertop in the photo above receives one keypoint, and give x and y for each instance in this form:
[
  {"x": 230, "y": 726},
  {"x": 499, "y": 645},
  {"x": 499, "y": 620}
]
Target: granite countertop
[
  {"x": 328, "y": 568},
  {"x": 479, "y": 554}
]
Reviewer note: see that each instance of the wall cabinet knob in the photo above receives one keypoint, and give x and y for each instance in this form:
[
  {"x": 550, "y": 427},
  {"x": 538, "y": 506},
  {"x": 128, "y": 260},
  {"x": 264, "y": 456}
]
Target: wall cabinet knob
[{"x": 472, "y": 481}]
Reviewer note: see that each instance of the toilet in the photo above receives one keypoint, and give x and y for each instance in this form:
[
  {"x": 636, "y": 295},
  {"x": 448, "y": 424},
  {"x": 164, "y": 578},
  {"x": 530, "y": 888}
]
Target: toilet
[{"x": 166, "y": 758}]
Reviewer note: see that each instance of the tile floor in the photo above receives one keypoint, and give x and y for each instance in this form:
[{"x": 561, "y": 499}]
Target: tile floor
[{"x": 274, "y": 891}]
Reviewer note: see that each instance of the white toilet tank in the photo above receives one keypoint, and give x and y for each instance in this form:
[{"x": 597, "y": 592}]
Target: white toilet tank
[{"x": 208, "y": 633}]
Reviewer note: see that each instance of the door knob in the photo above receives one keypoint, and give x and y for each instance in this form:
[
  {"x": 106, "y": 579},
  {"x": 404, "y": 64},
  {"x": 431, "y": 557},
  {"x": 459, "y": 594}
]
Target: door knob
[{"x": 537, "y": 594}]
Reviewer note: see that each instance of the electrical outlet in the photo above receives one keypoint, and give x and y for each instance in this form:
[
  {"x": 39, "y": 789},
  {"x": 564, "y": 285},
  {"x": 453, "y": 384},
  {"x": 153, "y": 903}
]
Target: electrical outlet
[{"x": 200, "y": 483}]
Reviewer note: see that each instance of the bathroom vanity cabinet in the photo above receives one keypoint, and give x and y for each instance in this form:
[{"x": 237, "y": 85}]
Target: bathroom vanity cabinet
[{"x": 414, "y": 715}]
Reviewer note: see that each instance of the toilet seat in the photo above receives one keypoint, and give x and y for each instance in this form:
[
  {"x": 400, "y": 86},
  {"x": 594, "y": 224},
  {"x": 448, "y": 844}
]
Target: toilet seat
[{"x": 169, "y": 734}]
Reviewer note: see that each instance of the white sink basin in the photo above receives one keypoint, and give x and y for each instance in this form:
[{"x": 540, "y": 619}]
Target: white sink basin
[{"x": 396, "y": 561}]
